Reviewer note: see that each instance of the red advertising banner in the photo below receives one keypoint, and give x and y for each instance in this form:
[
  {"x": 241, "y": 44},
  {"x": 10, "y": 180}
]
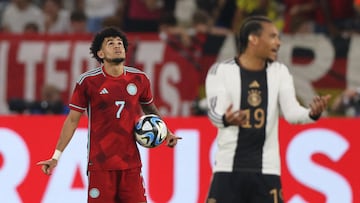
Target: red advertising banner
[
  {"x": 318, "y": 161},
  {"x": 28, "y": 62}
]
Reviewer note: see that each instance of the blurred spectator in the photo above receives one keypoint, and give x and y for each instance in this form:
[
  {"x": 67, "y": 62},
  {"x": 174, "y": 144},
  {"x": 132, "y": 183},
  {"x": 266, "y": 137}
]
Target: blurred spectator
[
  {"x": 144, "y": 15},
  {"x": 170, "y": 30},
  {"x": 17, "y": 105},
  {"x": 96, "y": 11},
  {"x": 31, "y": 28},
  {"x": 336, "y": 17},
  {"x": 184, "y": 11},
  {"x": 50, "y": 102},
  {"x": 206, "y": 38},
  {"x": 347, "y": 103},
  {"x": 299, "y": 16},
  {"x": 18, "y": 13},
  {"x": 3, "y": 4},
  {"x": 202, "y": 24},
  {"x": 207, "y": 5},
  {"x": 357, "y": 16},
  {"x": 201, "y": 21},
  {"x": 357, "y": 6},
  {"x": 269, "y": 8},
  {"x": 113, "y": 21},
  {"x": 178, "y": 38},
  {"x": 224, "y": 14},
  {"x": 57, "y": 20},
  {"x": 221, "y": 13},
  {"x": 207, "y": 41},
  {"x": 78, "y": 22},
  {"x": 71, "y": 5}
]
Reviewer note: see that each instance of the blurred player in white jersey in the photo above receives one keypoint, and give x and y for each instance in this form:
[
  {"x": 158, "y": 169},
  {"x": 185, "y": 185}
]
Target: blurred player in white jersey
[{"x": 245, "y": 95}]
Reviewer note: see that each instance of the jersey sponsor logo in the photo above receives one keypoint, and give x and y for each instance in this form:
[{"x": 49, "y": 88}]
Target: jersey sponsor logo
[
  {"x": 254, "y": 84},
  {"x": 131, "y": 89},
  {"x": 104, "y": 91}
]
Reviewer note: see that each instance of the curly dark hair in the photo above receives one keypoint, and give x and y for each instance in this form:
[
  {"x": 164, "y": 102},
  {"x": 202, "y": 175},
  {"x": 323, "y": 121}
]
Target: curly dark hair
[{"x": 99, "y": 38}]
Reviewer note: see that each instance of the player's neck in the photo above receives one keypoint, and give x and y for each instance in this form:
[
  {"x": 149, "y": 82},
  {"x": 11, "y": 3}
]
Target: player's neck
[
  {"x": 251, "y": 62},
  {"x": 114, "y": 70}
]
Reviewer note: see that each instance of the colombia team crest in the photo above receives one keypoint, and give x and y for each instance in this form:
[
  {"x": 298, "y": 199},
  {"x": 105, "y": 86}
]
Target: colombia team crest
[{"x": 131, "y": 89}]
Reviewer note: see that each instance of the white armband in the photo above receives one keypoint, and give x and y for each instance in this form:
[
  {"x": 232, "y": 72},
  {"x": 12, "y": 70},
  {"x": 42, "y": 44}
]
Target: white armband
[{"x": 56, "y": 154}]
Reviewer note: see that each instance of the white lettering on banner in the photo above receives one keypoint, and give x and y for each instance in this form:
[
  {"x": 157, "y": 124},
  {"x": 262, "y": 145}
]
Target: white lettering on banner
[
  {"x": 63, "y": 185},
  {"x": 30, "y": 58},
  {"x": 353, "y": 70},
  {"x": 186, "y": 188},
  {"x": 16, "y": 164},
  {"x": 186, "y": 168},
  {"x": 4, "y": 50},
  {"x": 59, "y": 188},
  {"x": 186, "y": 108},
  {"x": 56, "y": 51},
  {"x": 170, "y": 74},
  {"x": 297, "y": 199},
  {"x": 304, "y": 75},
  {"x": 80, "y": 53},
  {"x": 299, "y": 161},
  {"x": 146, "y": 55},
  {"x": 150, "y": 53}
]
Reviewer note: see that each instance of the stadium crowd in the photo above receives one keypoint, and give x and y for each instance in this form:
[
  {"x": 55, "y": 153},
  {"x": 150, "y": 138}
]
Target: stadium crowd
[
  {"x": 332, "y": 17},
  {"x": 183, "y": 23}
]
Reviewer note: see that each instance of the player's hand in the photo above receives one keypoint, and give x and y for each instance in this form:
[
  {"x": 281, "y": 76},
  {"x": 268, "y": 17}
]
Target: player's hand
[
  {"x": 318, "y": 105},
  {"x": 172, "y": 139},
  {"x": 48, "y": 165},
  {"x": 237, "y": 118}
]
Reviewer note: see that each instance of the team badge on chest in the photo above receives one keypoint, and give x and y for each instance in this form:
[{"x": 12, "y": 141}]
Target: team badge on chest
[
  {"x": 131, "y": 89},
  {"x": 254, "y": 98}
]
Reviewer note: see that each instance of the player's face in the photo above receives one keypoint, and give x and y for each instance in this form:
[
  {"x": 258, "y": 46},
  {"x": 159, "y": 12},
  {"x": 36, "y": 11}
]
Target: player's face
[
  {"x": 269, "y": 42},
  {"x": 112, "y": 50}
]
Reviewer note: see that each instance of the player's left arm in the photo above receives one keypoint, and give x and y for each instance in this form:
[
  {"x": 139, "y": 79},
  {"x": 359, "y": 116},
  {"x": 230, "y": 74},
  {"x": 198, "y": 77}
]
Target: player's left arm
[{"x": 152, "y": 109}]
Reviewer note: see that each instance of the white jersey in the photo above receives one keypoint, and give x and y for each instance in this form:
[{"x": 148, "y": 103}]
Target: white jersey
[
  {"x": 254, "y": 146},
  {"x": 16, "y": 19}
]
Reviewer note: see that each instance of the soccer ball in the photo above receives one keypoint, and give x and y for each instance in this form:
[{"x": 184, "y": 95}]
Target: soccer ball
[{"x": 150, "y": 131}]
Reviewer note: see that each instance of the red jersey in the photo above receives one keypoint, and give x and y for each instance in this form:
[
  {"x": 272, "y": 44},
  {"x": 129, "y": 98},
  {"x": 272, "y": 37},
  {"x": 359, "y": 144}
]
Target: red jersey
[{"x": 113, "y": 106}]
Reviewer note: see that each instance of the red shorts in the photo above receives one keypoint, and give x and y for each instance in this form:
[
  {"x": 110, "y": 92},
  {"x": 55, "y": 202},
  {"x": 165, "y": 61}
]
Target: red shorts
[{"x": 125, "y": 186}]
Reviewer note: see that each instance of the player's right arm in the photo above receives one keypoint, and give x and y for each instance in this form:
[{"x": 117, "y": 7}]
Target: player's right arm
[
  {"x": 70, "y": 124},
  {"x": 216, "y": 95}
]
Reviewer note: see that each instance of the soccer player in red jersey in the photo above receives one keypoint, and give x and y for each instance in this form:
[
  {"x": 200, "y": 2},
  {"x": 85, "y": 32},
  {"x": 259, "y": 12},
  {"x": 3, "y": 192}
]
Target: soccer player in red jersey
[{"x": 112, "y": 95}]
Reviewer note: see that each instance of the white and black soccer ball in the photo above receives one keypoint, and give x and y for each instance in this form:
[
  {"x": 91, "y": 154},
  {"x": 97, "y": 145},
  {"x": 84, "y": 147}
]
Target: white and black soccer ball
[{"x": 150, "y": 131}]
